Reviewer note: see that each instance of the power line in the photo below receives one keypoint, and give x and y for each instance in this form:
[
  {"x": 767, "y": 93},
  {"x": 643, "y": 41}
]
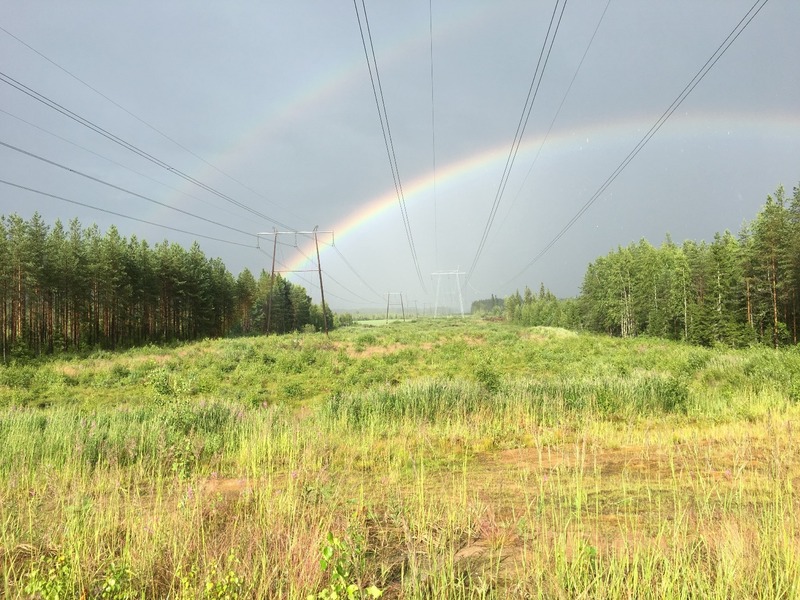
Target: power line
[
  {"x": 142, "y": 121},
  {"x": 698, "y": 77},
  {"x": 116, "y": 214},
  {"x": 127, "y": 145},
  {"x": 383, "y": 116},
  {"x": 308, "y": 281},
  {"x": 112, "y": 161},
  {"x": 433, "y": 142},
  {"x": 353, "y": 270},
  {"x": 286, "y": 268},
  {"x": 558, "y": 112},
  {"x": 122, "y": 189},
  {"x": 332, "y": 278},
  {"x": 533, "y": 90},
  {"x": 356, "y": 273}
]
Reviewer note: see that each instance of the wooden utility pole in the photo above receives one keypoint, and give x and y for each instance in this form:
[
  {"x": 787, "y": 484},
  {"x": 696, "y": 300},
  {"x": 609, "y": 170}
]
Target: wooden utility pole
[
  {"x": 272, "y": 280},
  {"x": 321, "y": 289},
  {"x": 318, "y": 269}
]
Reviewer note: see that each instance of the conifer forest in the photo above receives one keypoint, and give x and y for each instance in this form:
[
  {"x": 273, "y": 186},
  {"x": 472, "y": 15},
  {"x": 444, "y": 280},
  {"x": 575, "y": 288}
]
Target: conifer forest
[
  {"x": 74, "y": 287},
  {"x": 737, "y": 290}
]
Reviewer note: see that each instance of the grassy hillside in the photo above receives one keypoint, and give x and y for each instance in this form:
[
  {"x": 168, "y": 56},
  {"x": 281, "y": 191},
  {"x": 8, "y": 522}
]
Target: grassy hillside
[{"x": 431, "y": 459}]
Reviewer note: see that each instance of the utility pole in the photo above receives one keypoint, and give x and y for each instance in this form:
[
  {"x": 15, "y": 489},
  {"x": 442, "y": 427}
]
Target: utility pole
[
  {"x": 272, "y": 280},
  {"x": 321, "y": 289},
  {"x": 439, "y": 275},
  {"x": 318, "y": 270}
]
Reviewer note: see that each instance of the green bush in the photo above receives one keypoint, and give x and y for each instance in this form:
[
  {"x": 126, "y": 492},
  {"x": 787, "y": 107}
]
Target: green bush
[{"x": 16, "y": 376}]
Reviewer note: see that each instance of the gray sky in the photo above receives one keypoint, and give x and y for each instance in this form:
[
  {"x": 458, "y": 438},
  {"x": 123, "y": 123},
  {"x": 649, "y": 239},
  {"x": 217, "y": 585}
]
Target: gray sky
[{"x": 277, "y": 96}]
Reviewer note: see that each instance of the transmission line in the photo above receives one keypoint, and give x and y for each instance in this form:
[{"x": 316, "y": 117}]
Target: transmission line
[
  {"x": 124, "y": 190},
  {"x": 143, "y": 122},
  {"x": 533, "y": 90},
  {"x": 356, "y": 273},
  {"x": 116, "y": 214},
  {"x": 558, "y": 111},
  {"x": 315, "y": 285},
  {"x": 698, "y": 77},
  {"x": 112, "y": 161},
  {"x": 127, "y": 145},
  {"x": 433, "y": 142},
  {"x": 383, "y": 117},
  {"x": 329, "y": 276}
]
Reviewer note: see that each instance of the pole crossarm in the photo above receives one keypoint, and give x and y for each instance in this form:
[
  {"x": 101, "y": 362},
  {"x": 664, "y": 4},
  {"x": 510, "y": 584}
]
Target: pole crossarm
[
  {"x": 307, "y": 234},
  {"x": 295, "y": 232}
]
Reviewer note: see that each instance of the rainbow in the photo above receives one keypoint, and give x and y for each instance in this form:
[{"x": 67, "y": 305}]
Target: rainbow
[
  {"x": 490, "y": 161},
  {"x": 326, "y": 85}
]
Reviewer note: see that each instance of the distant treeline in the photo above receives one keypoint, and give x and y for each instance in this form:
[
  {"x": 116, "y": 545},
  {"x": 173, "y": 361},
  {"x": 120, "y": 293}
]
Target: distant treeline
[
  {"x": 736, "y": 290},
  {"x": 491, "y": 306},
  {"x": 67, "y": 288}
]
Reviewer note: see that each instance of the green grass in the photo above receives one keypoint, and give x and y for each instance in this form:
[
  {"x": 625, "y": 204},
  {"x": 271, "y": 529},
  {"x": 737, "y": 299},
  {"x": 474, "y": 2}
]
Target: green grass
[{"x": 446, "y": 459}]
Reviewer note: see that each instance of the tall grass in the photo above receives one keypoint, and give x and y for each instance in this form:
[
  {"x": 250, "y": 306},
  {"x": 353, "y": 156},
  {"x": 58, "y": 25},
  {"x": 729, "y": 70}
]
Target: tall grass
[{"x": 480, "y": 462}]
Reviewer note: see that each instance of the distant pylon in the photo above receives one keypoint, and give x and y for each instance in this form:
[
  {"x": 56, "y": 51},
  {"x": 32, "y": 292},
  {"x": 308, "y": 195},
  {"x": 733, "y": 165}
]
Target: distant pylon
[
  {"x": 402, "y": 307},
  {"x": 439, "y": 274}
]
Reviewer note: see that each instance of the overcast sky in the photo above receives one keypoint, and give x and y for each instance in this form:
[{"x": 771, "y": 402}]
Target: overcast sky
[{"x": 277, "y": 97}]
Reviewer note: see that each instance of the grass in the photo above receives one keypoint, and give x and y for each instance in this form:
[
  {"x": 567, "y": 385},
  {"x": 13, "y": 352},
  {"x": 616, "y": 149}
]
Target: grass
[{"x": 447, "y": 459}]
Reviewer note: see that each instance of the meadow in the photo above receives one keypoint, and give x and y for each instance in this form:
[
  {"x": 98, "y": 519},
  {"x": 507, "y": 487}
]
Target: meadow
[{"x": 426, "y": 459}]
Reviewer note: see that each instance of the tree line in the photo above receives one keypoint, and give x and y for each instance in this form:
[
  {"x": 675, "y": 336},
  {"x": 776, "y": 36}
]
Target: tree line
[
  {"x": 737, "y": 290},
  {"x": 72, "y": 288},
  {"x": 491, "y": 306}
]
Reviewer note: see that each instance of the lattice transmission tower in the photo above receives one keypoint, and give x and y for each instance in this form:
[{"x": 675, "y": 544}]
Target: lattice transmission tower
[{"x": 457, "y": 274}]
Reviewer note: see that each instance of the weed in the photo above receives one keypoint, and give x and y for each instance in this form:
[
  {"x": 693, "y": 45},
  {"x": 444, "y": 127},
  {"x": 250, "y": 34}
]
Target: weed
[
  {"x": 20, "y": 377},
  {"x": 488, "y": 377},
  {"x": 50, "y": 578},
  {"x": 116, "y": 583},
  {"x": 160, "y": 381},
  {"x": 293, "y": 389},
  {"x": 341, "y": 560},
  {"x": 224, "y": 584}
]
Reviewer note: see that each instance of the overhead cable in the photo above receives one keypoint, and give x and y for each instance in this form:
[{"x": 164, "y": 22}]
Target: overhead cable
[
  {"x": 143, "y": 122},
  {"x": 312, "y": 283},
  {"x": 332, "y": 278},
  {"x": 8, "y": 80},
  {"x": 122, "y": 189},
  {"x": 383, "y": 116},
  {"x": 533, "y": 90},
  {"x": 698, "y": 77},
  {"x": 558, "y": 111},
  {"x": 116, "y": 214},
  {"x": 356, "y": 273},
  {"x": 112, "y": 161},
  {"x": 433, "y": 143}
]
